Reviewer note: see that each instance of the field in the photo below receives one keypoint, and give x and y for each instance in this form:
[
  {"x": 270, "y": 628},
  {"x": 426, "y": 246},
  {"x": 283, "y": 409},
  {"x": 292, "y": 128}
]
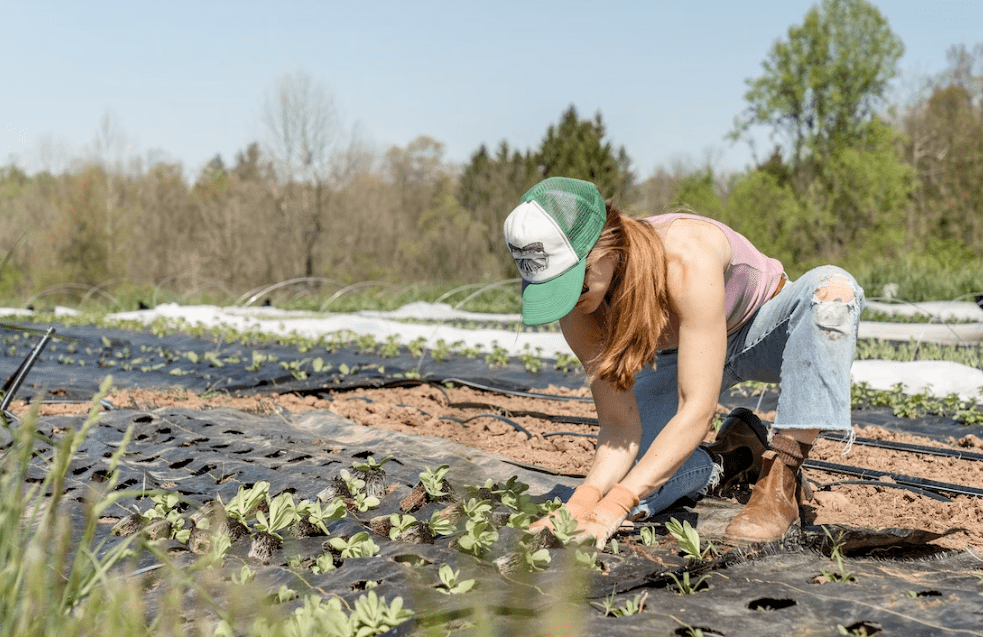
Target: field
[{"x": 899, "y": 554}]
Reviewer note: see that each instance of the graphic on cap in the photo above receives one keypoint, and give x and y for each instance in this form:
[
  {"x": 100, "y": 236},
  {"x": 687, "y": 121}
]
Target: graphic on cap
[
  {"x": 550, "y": 234},
  {"x": 530, "y": 258}
]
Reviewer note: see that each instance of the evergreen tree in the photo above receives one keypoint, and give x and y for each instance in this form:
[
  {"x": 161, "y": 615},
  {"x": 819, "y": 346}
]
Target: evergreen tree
[{"x": 576, "y": 148}]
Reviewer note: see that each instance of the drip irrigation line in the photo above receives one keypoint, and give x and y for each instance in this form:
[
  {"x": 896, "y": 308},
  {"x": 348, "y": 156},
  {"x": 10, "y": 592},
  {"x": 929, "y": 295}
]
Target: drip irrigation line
[
  {"x": 906, "y": 487},
  {"x": 511, "y": 423},
  {"x": 902, "y": 446},
  {"x": 875, "y": 476},
  {"x": 569, "y": 433},
  {"x": 516, "y": 392}
]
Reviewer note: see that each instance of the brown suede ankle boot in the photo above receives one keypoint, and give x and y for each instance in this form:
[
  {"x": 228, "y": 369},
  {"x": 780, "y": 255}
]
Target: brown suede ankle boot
[
  {"x": 774, "y": 503},
  {"x": 740, "y": 443}
]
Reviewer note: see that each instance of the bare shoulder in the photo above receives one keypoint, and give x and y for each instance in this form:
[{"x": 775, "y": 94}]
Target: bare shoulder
[
  {"x": 697, "y": 253},
  {"x": 688, "y": 239}
]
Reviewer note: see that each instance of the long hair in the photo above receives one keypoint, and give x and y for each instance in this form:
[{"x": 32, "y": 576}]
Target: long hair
[{"x": 637, "y": 299}]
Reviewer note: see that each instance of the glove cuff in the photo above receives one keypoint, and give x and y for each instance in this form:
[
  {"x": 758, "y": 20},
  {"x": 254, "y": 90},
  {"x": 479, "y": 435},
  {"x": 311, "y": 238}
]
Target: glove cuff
[
  {"x": 622, "y": 498},
  {"x": 585, "y": 497}
]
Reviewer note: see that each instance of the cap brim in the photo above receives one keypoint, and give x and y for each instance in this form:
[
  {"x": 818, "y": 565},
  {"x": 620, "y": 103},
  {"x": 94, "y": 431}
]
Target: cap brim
[{"x": 552, "y": 300}]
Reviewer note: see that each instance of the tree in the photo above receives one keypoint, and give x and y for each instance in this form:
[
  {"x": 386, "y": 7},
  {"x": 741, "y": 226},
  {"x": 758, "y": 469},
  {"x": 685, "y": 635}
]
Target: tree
[
  {"x": 488, "y": 189},
  {"x": 576, "y": 148},
  {"x": 821, "y": 87},
  {"x": 311, "y": 158}
]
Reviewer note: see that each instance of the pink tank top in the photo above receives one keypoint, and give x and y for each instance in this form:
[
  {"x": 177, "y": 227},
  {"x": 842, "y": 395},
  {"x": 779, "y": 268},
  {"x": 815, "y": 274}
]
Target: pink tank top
[{"x": 751, "y": 278}]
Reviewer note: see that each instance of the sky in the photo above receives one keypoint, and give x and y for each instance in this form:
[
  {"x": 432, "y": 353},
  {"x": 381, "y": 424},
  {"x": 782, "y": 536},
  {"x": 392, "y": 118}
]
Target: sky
[{"x": 184, "y": 81}]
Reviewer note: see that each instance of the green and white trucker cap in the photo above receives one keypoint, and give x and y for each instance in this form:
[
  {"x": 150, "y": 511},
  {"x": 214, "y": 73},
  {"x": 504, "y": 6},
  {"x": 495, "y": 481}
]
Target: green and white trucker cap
[{"x": 550, "y": 234}]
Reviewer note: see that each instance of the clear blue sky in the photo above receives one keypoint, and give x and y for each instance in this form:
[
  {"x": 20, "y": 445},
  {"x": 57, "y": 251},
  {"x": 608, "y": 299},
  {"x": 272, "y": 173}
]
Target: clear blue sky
[{"x": 186, "y": 79}]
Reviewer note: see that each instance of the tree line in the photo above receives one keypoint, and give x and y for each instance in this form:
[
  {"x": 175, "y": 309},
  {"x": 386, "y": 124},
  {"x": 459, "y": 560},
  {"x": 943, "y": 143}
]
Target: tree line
[{"x": 883, "y": 189}]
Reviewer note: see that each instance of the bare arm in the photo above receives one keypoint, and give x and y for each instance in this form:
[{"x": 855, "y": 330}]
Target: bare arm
[
  {"x": 621, "y": 427},
  {"x": 696, "y": 290}
]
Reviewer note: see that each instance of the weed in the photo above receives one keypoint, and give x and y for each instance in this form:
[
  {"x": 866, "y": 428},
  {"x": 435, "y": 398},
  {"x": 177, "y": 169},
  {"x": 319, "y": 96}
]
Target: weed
[{"x": 840, "y": 575}]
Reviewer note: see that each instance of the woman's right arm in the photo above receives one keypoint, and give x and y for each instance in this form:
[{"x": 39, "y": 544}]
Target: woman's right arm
[{"x": 617, "y": 411}]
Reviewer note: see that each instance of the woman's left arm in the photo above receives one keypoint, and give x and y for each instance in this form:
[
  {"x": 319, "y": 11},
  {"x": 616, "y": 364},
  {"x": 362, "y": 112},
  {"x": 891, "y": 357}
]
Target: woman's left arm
[{"x": 696, "y": 289}]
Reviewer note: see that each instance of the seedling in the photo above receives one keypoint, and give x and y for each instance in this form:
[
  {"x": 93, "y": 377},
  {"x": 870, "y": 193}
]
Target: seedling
[
  {"x": 433, "y": 481},
  {"x": 685, "y": 587},
  {"x": 565, "y": 527},
  {"x": 440, "y": 351},
  {"x": 370, "y": 464},
  {"x": 245, "y": 501},
  {"x": 373, "y": 616},
  {"x": 319, "y": 516},
  {"x": 450, "y": 584},
  {"x": 323, "y": 564},
  {"x": 534, "y": 561},
  {"x": 399, "y": 523},
  {"x": 479, "y": 536},
  {"x": 631, "y": 607},
  {"x": 474, "y": 508},
  {"x": 688, "y": 539},
  {"x": 587, "y": 560},
  {"x": 246, "y": 575},
  {"x": 648, "y": 536},
  {"x": 440, "y": 525},
  {"x": 499, "y": 356},
  {"x": 358, "y": 545},
  {"x": 840, "y": 575},
  {"x": 532, "y": 362},
  {"x": 283, "y": 513},
  {"x": 566, "y": 362},
  {"x": 365, "y": 502}
]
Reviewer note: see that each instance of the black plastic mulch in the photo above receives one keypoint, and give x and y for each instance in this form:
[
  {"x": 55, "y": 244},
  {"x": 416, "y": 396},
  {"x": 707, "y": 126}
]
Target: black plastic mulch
[{"x": 902, "y": 585}]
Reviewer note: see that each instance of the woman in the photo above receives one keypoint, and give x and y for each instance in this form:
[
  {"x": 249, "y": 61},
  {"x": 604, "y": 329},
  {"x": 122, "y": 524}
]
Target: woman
[{"x": 666, "y": 313}]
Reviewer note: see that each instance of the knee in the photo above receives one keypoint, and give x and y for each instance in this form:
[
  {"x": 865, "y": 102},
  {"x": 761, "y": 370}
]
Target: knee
[{"x": 837, "y": 288}]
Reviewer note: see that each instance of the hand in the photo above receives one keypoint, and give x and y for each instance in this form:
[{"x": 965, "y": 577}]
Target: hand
[
  {"x": 583, "y": 500},
  {"x": 606, "y": 517}
]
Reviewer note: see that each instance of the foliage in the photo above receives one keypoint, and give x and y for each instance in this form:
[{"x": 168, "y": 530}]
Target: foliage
[
  {"x": 450, "y": 582},
  {"x": 821, "y": 86},
  {"x": 576, "y": 148},
  {"x": 632, "y": 606},
  {"x": 840, "y": 575},
  {"x": 685, "y": 587},
  {"x": 358, "y": 545},
  {"x": 433, "y": 481},
  {"x": 479, "y": 535},
  {"x": 689, "y": 541}
]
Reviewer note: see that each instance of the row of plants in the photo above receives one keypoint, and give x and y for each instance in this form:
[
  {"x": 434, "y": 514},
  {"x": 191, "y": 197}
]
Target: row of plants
[
  {"x": 393, "y": 346},
  {"x": 65, "y": 581}
]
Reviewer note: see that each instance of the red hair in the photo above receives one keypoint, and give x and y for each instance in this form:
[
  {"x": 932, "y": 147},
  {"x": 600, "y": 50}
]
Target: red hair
[{"x": 637, "y": 299}]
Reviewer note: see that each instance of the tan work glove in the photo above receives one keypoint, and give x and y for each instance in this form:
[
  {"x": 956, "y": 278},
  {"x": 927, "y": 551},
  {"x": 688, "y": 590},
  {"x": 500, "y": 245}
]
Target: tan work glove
[
  {"x": 606, "y": 517},
  {"x": 583, "y": 500}
]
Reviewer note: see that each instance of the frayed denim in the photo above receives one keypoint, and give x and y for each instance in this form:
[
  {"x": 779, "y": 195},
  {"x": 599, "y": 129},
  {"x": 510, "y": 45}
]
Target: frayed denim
[{"x": 795, "y": 339}]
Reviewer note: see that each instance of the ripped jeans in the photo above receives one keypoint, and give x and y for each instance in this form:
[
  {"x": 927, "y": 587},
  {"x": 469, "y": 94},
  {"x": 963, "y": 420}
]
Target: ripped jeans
[{"x": 795, "y": 339}]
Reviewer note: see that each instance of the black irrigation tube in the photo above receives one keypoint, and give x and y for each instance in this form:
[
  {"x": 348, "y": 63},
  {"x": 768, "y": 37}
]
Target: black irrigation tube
[
  {"x": 512, "y": 423},
  {"x": 875, "y": 476},
  {"x": 930, "y": 488},
  {"x": 516, "y": 392},
  {"x": 901, "y": 446},
  {"x": 906, "y": 487}
]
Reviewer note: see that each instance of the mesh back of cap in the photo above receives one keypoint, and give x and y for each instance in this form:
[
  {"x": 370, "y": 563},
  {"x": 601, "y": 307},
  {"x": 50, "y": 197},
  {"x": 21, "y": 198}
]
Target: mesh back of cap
[{"x": 576, "y": 206}]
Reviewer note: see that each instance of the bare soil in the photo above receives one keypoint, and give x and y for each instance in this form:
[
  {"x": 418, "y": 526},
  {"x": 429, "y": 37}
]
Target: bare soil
[{"x": 436, "y": 411}]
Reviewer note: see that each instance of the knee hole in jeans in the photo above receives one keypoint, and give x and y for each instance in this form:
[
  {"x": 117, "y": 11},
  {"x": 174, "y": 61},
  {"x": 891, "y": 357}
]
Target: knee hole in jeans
[{"x": 836, "y": 289}]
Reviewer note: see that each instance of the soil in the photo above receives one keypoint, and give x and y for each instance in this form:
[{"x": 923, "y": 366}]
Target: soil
[{"x": 439, "y": 411}]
